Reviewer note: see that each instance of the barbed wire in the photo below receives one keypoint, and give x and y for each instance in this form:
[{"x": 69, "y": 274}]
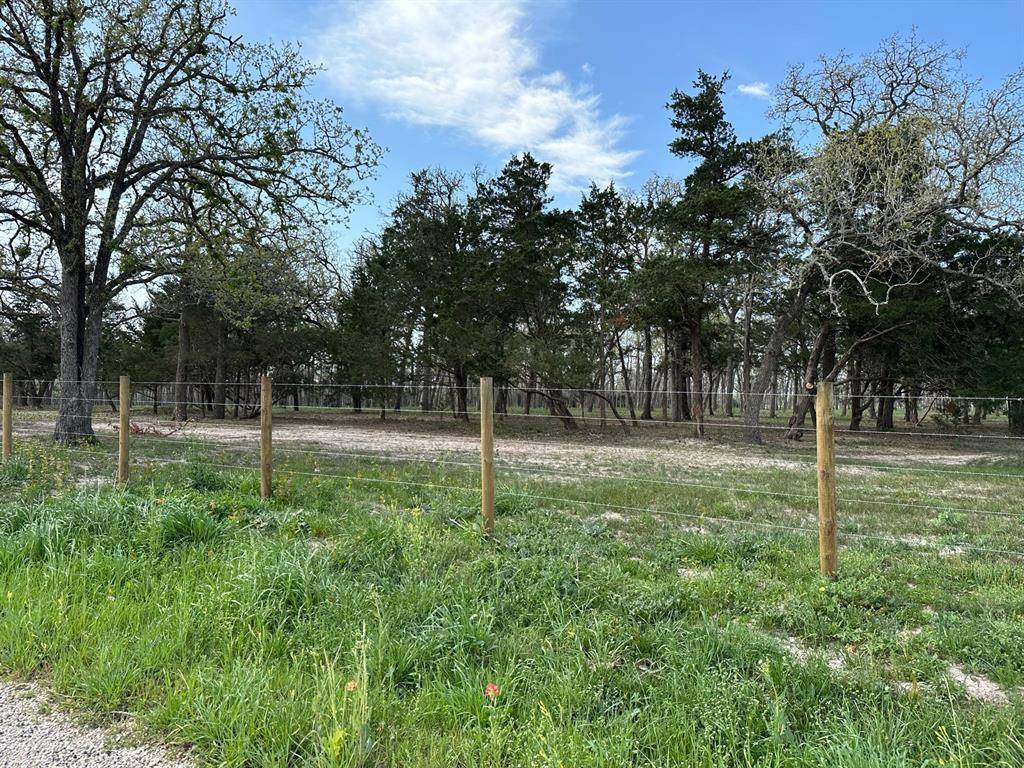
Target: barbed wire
[
  {"x": 559, "y": 473},
  {"x": 243, "y": 433},
  {"x": 851, "y": 462},
  {"x": 136, "y": 405},
  {"x": 585, "y": 390},
  {"x": 473, "y": 410},
  {"x": 887, "y": 467},
  {"x": 758, "y": 524},
  {"x": 702, "y": 518},
  {"x": 755, "y": 491}
]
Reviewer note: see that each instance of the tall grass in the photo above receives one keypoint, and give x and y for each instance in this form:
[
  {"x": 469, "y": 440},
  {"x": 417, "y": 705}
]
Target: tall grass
[{"x": 355, "y": 626}]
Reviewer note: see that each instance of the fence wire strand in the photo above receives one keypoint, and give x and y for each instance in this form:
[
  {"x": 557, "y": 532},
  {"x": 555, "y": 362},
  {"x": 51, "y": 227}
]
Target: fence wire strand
[{"x": 248, "y": 437}]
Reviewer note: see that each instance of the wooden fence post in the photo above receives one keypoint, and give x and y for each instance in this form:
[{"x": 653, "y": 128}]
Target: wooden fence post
[
  {"x": 266, "y": 406},
  {"x": 8, "y": 411},
  {"x": 826, "y": 448},
  {"x": 124, "y": 403},
  {"x": 487, "y": 453}
]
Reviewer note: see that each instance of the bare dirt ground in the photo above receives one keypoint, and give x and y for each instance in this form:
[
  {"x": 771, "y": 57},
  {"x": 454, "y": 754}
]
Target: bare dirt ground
[{"x": 658, "y": 449}]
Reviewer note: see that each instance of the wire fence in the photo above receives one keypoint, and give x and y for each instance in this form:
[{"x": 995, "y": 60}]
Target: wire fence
[
  {"x": 976, "y": 511},
  {"x": 635, "y": 407}
]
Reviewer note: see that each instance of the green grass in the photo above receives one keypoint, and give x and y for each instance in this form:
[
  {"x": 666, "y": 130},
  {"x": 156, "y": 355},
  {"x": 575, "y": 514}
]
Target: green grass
[{"x": 357, "y": 622}]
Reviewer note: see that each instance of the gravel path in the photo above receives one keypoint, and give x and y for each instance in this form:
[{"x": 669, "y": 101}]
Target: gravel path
[{"x": 31, "y": 737}]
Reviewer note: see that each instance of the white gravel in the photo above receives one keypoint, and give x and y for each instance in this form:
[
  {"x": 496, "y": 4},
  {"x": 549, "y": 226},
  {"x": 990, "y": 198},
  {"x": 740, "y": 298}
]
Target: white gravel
[{"x": 33, "y": 735}]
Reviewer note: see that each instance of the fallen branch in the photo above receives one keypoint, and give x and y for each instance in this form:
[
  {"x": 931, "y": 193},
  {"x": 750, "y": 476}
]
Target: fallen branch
[{"x": 153, "y": 430}]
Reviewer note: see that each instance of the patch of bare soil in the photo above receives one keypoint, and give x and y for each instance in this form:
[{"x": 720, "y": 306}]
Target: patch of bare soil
[
  {"x": 834, "y": 660},
  {"x": 978, "y": 687},
  {"x": 588, "y": 451}
]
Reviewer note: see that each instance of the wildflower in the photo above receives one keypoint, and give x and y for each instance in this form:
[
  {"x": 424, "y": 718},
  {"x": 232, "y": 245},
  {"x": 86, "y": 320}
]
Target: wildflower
[
  {"x": 821, "y": 589},
  {"x": 351, "y": 685},
  {"x": 492, "y": 691}
]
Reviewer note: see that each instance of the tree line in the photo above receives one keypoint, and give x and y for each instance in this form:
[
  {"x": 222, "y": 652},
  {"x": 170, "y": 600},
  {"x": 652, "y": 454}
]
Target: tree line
[{"x": 875, "y": 238}]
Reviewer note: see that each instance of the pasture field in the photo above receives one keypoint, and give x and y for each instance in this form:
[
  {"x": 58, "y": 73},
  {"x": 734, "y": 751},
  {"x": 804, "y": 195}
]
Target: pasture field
[{"x": 647, "y": 599}]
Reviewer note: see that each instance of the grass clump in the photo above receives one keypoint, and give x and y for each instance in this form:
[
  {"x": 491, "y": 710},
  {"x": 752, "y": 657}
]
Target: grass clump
[{"x": 183, "y": 523}]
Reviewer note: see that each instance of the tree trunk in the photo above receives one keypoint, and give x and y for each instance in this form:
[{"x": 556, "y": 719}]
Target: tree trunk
[
  {"x": 220, "y": 372},
  {"x": 558, "y": 406},
  {"x": 461, "y": 384},
  {"x": 181, "y": 369},
  {"x": 528, "y": 401},
  {"x": 696, "y": 367},
  {"x": 625, "y": 380},
  {"x": 501, "y": 401},
  {"x": 681, "y": 401},
  {"x": 560, "y": 409},
  {"x": 648, "y": 375},
  {"x": 804, "y": 401},
  {"x": 1015, "y": 414},
  {"x": 886, "y": 403},
  {"x": 913, "y": 414},
  {"x": 748, "y": 310},
  {"x": 603, "y": 372},
  {"x": 79, "y": 351},
  {"x": 666, "y": 374},
  {"x": 857, "y": 405},
  {"x": 427, "y": 391},
  {"x": 770, "y": 361},
  {"x": 729, "y": 386}
]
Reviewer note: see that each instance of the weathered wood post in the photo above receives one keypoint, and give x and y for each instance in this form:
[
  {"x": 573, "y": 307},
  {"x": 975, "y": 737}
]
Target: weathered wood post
[
  {"x": 266, "y": 406},
  {"x": 487, "y": 453},
  {"x": 826, "y": 448},
  {"x": 124, "y": 405},
  {"x": 8, "y": 410}
]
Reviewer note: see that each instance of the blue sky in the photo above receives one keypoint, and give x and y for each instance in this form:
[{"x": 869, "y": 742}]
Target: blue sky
[{"x": 581, "y": 84}]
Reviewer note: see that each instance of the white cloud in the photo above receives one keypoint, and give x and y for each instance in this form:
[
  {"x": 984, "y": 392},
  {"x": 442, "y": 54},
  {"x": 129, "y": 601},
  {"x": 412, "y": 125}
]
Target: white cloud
[
  {"x": 759, "y": 90},
  {"x": 471, "y": 66}
]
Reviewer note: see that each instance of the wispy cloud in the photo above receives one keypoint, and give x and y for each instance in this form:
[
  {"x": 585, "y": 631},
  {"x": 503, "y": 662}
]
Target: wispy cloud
[
  {"x": 472, "y": 67},
  {"x": 759, "y": 90}
]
